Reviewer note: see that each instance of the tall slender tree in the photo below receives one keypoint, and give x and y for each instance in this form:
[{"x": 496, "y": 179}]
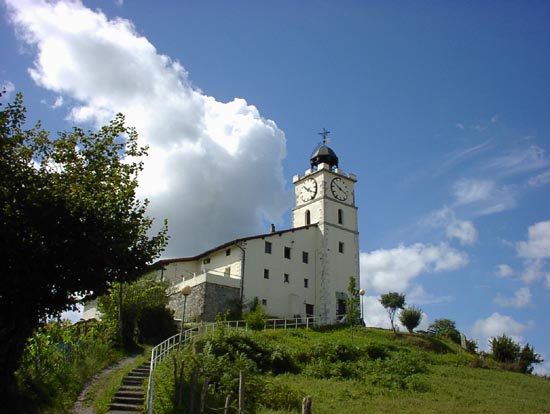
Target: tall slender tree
[{"x": 392, "y": 302}]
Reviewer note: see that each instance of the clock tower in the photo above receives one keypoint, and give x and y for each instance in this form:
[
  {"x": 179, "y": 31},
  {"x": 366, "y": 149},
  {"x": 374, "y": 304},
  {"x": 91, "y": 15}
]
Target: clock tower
[{"x": 325, "y": 197}]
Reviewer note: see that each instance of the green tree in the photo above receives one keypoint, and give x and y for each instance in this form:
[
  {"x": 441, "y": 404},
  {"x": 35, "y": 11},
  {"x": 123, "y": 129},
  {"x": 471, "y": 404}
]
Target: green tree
[
  {"x": 410, "y": 317},
  {"x": 512, "y": 356},
  {"x": 528, "y": 357},
  {"x": 70, "y": 222},
  {"x": 504, "y": 348},
  {"x": 392, "y": 302},
  {"x": 445, "y": 328},
  {"x": 353, "y": 312},
  {"x": 144, "y": 314}
]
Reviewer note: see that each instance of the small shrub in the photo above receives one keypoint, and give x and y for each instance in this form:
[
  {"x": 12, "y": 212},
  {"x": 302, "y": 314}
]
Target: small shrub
[
  {"x": 479, "y": 362},
  {"x": 256, "y": 319},
  {"x": 396, "y": 372},
  {"x": 323, "y": 369},
  {"x": 410, "y": 317},
  {"x": 375, "y": 351},
  {"x": 280, "y": 397},
  {"x": 504, "y": 349},
  {"x": 445, "y": 328}
]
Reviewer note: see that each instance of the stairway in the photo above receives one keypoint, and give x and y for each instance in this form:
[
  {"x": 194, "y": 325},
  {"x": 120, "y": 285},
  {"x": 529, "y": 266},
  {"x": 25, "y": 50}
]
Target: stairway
[{"x": 130, "y": 397}]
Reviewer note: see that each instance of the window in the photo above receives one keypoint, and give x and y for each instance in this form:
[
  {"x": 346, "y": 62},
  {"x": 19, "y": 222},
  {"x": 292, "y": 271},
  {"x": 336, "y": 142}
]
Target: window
[
  {"x": 227, "y": 271},
  {"x": 306, "y": 283},
  {"x": 228, "y": 252},
  {"x": 264, "y": 302},
  {"x": 340, "y": 216},
  {"x": 206, "y": 261},
  {"x": 266, "y": 273},
  {"x": 308, "y": 218},
  {"x": 286, "y": 278},
  {"x": 341, "y": 247},
  {"x": 268, "y": 247},
  {"x": 287, "y": 252},
  {"x": 305, "y": 257}
]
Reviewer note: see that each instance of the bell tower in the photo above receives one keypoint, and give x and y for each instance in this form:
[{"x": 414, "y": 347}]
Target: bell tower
[{"x": 325, "y": 197}]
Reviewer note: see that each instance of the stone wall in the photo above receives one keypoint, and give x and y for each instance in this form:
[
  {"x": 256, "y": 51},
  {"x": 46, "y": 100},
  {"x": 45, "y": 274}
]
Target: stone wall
[{"x": 205, "y": 302}]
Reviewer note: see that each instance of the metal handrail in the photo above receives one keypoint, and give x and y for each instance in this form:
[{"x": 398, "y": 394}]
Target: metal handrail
[{"x": 159, "y": 352}]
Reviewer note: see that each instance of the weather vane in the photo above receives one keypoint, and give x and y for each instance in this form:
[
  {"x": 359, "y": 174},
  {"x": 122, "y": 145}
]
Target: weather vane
[{"x": 324, "y": 134}]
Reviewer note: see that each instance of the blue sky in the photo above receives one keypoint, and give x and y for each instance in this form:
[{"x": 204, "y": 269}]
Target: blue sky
[{"x": 442, "y": 109}]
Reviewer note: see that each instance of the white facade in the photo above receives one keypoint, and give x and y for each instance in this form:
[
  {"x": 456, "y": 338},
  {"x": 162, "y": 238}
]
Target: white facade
[{"x": 300, "y": 271}]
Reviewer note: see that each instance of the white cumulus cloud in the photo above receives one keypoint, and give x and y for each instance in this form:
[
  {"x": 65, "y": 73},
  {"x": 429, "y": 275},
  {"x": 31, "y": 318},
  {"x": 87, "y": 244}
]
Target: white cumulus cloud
[
  {"x": 504, "y": 270},
  {"x": 462, "y": 230},
  {"x": 536, "y": 252},
  {"x": 521, "y": 299},
  {"x": 387, "y": 270},
  {"x": 537, "y": 245},
  {"x": 214, "y": 168}
]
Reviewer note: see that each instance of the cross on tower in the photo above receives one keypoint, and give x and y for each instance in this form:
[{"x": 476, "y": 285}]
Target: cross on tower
[{"x": 324, "y": 134}]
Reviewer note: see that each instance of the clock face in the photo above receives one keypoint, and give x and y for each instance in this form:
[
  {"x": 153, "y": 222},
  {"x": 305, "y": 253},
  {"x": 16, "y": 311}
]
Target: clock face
[
  {"x": 308, "y": 190},
  {"x": 339, "y": 189}
]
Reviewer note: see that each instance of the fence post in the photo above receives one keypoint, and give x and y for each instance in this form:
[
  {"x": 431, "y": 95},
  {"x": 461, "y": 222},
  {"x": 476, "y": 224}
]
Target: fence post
[
  {"x": 241, "y": 392},
  {"x": 306, "y": 405},
  {"x": 227, "y": 404}
]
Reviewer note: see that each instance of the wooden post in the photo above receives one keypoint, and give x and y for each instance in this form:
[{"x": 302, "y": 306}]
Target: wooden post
[
  {"x": 306, "y": 405},
  {"x": 227, "y": 404},
  {"x": 178, "y": 381},
  {"x": 192, "y": 388},
  {"x": 242, "y": 381},
  {"x": 120, "y": 321},
  {"x": 204, "y": 393}
]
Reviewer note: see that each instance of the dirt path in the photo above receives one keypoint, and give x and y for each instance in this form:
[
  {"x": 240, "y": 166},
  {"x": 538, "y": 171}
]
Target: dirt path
[{"x": 80, "y": 406}]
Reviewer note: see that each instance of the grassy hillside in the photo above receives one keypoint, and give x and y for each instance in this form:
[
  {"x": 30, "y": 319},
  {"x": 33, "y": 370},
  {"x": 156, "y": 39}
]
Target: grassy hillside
[{"x": 373, "y": 372}]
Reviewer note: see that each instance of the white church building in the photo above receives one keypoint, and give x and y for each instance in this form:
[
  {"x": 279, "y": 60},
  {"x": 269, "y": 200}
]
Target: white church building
[{"x": 296, "y": 272}]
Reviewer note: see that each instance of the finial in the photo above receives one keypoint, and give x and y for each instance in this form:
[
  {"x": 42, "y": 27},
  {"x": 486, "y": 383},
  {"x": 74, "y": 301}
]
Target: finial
[{"x": 324, "y": 134}]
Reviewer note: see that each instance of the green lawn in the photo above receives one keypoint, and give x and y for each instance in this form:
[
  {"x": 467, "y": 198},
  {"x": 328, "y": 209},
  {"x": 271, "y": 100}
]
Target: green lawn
[{"x": 375, "y": 372}]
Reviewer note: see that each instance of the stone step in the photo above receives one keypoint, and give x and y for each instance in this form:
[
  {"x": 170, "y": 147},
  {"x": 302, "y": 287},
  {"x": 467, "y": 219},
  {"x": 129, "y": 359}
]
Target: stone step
[
  {"x": 130, "y": 393},
  {"x": 139, "y": 400},
  {"x": 136, "y": 376},
  {"x": 130, "y": 397},
  {"x": 131, "y": 388},
  {"x": 126, "y": 407},
  {"x": 120, "y": 412},
  {"x": 130, "y": 381}
]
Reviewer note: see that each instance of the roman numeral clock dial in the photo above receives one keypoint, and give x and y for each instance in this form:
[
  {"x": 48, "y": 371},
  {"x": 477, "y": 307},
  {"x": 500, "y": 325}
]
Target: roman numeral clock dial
[
  {"x": 339, "y": 189},
  {"x": 308, "y": 190}
]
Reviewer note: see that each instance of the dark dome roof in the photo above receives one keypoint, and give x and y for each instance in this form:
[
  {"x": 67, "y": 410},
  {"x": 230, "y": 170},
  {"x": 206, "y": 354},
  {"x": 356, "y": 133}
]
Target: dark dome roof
[{"x": 324, "y": 154}]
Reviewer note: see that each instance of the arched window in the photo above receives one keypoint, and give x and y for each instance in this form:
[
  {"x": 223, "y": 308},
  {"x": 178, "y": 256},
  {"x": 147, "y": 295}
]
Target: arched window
[
  {"x": 308, "y": 218},
  {"x": 340, "y": 216}
]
